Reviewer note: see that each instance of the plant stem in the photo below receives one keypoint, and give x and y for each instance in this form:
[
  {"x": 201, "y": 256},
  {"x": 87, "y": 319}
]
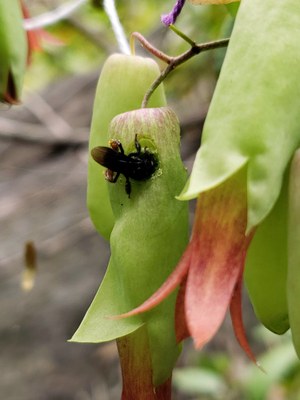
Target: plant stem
[
  {"x": 135, "y": 358},
  {"x": 52, "y": 17},
  {"x": 174, "y": 62},
  {"x": 147, "y": 45},
  {"x": 111, "y": 11},
  {"x": 182, "y": 35}
]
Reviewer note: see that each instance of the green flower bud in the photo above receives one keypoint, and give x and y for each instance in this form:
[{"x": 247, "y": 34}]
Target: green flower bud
[
  {"x": 147, "y": 240},
  {"x": 122, "y": 85},
  {"x": 13, "y": 51}
]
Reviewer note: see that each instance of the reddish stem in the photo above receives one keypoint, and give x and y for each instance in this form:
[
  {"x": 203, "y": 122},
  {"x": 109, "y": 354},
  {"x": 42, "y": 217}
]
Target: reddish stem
[
  {"x": 137, "y": 374},
  {"x": 153, "y": 50}
]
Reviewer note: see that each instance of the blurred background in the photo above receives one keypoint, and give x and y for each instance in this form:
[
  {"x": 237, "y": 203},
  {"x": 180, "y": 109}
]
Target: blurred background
[{"x": 43, "y": 163}]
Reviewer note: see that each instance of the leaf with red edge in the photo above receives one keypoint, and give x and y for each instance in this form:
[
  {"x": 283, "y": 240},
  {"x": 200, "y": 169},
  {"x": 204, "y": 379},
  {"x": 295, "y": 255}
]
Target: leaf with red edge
[
  {"x": 218, "y": 257},
  {"x": 237, "y": 320},
  {"x": 181, "y": 327}
]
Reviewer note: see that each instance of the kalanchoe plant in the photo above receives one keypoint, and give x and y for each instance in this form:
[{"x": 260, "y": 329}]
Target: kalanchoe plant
[
  {"x": 13, "y": 51},
  {"x": 247, "y": 218},
  {"x": 210, "y": 271},
  {"x": 149, "y": 235},
  {"x": 251, "y": 133}
]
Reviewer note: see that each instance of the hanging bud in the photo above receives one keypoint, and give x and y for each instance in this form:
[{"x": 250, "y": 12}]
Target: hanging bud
[
  {"x": 122, "y": 85},
  {"x": 13, "y": 51},
  {"x": 148, "y": 238}
]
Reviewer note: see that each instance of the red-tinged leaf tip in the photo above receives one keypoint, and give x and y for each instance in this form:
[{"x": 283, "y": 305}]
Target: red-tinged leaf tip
[
  {"x": 237, "y": 320},
  {"x": 209, "y": 288},
  {"x": 218, "y": 257},
  {"x": 36, "y": 36},
  {"x": 32, "y": 36},
  {"x": 41, "y": 37},
  {"x": 181, "y": 328},
  {"x": 167, "y": 287}
]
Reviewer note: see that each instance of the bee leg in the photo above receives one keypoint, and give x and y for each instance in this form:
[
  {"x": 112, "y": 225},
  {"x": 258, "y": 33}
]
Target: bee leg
[
  {"x": 128, "y": 186},
  {"x": 110, "y": 176},
  {"x": 116, "y": 177},
  {"x": 137, "y": 144},
  {"x": 116, "y": 145}
]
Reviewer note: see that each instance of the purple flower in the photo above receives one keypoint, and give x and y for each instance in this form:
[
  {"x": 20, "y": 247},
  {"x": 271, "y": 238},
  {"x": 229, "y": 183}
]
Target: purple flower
[{"x": 170, "y": 18}]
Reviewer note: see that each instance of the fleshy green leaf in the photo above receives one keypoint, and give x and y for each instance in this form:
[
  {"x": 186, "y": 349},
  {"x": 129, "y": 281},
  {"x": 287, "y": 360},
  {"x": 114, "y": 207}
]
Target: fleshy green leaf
[
  {"x": 266, "y": 268},
  {"x": 254, "y": 115}
]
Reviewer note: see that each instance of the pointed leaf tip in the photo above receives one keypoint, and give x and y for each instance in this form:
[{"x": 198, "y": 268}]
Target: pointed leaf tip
[
  {"x": 218, "y": 256},
  {"x": 237, "y": 319}
]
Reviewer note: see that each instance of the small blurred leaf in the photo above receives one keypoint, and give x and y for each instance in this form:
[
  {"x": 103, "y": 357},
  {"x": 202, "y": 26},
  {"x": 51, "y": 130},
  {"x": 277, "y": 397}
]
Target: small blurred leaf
[
  {"x": 277, "y": 363},
  {"x": 198, "y": 381}
]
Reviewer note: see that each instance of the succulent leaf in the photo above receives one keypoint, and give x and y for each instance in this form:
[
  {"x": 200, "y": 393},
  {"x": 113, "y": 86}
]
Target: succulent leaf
[{"x": 254, "y": 114}]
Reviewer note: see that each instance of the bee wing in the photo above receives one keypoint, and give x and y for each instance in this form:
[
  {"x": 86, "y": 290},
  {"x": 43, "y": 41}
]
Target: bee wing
[{"x": 104, "y": 156}]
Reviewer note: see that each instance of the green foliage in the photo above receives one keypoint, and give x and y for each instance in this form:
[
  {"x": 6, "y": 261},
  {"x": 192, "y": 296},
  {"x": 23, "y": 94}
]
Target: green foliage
[
  {"x": 253, "y": 122},
  {"x": 240, "y": 130},
  {"x": 266, "y": 267},
  {"x": 199, "y": 381}
]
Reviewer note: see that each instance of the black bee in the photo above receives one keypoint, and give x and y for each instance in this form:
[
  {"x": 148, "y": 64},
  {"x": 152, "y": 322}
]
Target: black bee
[{"x": 139, "y": 165}]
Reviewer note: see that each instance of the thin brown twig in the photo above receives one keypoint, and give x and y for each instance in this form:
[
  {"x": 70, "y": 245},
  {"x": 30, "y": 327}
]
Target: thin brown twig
[
  {"x": 147, "y": 45},
  {"x": 174, "y": 62}
]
